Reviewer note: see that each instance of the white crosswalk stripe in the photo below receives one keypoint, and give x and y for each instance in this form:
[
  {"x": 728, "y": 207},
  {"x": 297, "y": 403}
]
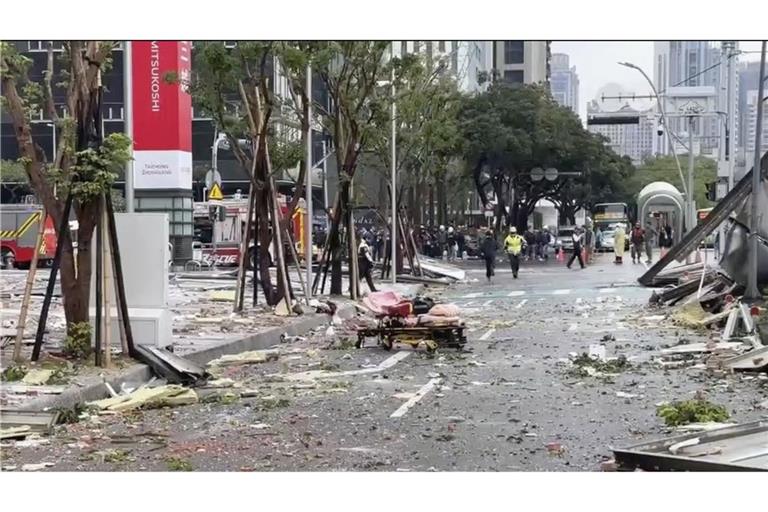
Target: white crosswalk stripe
[
  {"x": 561, "y": 292},
  {"x": 487, "y": 303},
  {"x": 521, "y": 304},
  {"x": 516, "y": 293},
  {"x": 472, "y": 295}
]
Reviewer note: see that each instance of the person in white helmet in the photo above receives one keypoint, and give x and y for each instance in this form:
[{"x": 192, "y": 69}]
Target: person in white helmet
[
  {"x": 514, "y": 245},
  {"x": 442, "y": 241},
  {"x": 451, "y": 243}
]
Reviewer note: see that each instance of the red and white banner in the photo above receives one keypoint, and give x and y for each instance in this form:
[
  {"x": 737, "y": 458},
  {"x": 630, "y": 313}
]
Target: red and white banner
[{"x": 162, "y": 114}]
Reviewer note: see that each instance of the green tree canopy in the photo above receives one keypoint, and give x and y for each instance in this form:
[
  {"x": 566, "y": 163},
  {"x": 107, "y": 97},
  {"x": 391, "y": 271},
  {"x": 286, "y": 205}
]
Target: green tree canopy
[{"x": 664, "y": 169}]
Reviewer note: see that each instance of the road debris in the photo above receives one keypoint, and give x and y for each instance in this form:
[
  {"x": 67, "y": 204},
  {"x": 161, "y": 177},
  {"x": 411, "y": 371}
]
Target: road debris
[{"x": 691, "y": 411}]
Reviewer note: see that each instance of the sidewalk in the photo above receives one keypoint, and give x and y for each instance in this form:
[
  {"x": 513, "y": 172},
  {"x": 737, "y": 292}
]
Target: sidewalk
[{"x": 204, "y": 328}]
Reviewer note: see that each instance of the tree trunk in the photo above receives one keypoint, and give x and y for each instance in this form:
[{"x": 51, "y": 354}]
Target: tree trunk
[
  {"x": 441, "y": 203},
  {"x": 431, "y": 206}
]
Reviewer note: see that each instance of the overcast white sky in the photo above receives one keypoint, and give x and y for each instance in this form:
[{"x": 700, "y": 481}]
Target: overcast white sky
[{"x": 596, "y": 64}]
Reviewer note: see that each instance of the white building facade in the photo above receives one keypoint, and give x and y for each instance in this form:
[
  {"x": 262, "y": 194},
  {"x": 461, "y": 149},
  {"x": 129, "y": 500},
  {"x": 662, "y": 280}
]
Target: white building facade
[
  {"x": 750, "y": 126},
  {"x": 695, "y": 64},
  {"x": 522, "y": 62},
  {"x": 637, "y": 141}
]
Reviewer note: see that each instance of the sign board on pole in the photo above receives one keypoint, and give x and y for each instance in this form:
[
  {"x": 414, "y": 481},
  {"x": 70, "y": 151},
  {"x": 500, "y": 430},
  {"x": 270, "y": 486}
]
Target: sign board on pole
[
  {"x": 212, "y": 177},
  {"x": 215, "y": 193},
  {"x": 162, "y": 115},
  {"x": 550, "y": 174}
]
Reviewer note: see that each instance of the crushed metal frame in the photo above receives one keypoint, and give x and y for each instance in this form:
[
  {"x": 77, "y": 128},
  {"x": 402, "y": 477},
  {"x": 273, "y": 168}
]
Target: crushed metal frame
[{"x": 655, "y": 455}]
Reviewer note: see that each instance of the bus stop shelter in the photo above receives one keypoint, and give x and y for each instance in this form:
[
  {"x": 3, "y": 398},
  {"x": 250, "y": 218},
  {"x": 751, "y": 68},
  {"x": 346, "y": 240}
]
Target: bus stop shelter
[{"x": 661, "y": 198}]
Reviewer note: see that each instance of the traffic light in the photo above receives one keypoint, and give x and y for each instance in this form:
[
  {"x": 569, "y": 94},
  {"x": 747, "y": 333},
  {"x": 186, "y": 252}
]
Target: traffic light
[{"x": 712, "y": 191}]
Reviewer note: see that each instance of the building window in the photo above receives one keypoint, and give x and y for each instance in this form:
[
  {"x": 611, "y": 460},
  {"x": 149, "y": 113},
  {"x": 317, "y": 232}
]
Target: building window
[
  {"x": 514, "y": 52},
  {"x": 514, "y": 76}
]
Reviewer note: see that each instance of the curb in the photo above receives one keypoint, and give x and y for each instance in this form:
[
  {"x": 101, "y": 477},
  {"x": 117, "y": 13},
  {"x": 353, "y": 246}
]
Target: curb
[{"x": 140, "y": 373}]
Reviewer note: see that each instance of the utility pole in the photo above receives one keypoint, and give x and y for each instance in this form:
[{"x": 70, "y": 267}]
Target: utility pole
[
  {"x": 753, "y": 292},
  {"x": 128, "y": 121},
  {"x": 691, "y": 163},
  {"x": 308, "y": 169}
]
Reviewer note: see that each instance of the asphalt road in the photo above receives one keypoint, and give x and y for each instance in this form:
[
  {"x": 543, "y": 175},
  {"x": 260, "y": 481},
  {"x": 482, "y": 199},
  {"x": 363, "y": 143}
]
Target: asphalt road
[{"x": 509, "y": 403}]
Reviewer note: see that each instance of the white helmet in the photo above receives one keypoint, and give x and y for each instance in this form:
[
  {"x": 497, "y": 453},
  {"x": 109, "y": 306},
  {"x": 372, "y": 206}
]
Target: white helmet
[
  {"x": 512, "y": 229},
  {"x": 442, "y": 228},
  {"x": 450, "y": 230}
]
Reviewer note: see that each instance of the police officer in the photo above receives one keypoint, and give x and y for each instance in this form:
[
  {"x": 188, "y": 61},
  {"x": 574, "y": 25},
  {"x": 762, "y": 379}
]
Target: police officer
[{"x": 513, "y": 246}]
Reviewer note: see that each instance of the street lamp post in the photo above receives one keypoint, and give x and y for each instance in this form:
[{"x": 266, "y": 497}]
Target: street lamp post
[
  {"x": 128, "y": 122},
  {"x": 664, "y": 121},
  {"x": 393, "y": 163}
]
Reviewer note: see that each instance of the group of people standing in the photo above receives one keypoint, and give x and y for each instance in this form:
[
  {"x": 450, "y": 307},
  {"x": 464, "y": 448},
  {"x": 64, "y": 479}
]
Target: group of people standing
[
  {"x": 449, "y": 243},
  {"x": 641, "y": 241}
]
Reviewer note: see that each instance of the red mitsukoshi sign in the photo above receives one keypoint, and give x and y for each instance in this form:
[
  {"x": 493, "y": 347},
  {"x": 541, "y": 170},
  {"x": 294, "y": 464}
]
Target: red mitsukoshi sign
[{"x": 162, "y": 114}]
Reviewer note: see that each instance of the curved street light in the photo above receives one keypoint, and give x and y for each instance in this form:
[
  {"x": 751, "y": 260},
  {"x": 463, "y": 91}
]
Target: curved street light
[{"x": 663, "y": 120}]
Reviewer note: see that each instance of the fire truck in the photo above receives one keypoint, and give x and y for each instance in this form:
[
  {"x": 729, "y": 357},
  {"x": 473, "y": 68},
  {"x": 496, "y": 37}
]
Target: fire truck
[
  {"x": 18, "y": 236},
  {"x": 218, "y": 238}
]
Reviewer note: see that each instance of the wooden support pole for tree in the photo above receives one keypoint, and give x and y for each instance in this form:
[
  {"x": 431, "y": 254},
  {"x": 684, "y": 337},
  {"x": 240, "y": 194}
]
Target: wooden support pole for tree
[
  {"x": 108, "y": 286},
  {"x": 278, "y": 239},
  {"x": 122, "y": 304},
  {"x": 99, "y": 282},
  {"x": 240, "y": 286},
  {"x": 28, "y": 289},
  {"x": 63, "y": 236},
  {"x": 296, "y": 261}
]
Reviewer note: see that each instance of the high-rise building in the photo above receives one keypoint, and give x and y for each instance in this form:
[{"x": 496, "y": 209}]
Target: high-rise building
[
  {"x": 689, "y": 64},
  {"x": 748, "y": 78},
  {"x": 465, "y": 60},
  {"x": 564, "y": 82},
  {"x": 750, "y": 126},
  {"x": 522, "y": 62},
  {"x": 633, "y": 140}
]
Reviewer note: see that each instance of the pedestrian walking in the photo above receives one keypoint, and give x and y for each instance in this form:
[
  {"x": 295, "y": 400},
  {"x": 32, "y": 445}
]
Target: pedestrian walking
[
  {"x": 451, "y": 242},
  {"x": 619, "y": 239},
  {"x": 365, "y": 262},
  {"x": 650, "y": 236},
  {"x": 514, "y": 245},
  {"x": 578, "y": 241},
  {"x": 442, "y": 242},
  {"x": 665, "y": 239},
  {"x": 530, "y": 240},
  {"x": 488, "y": 250},
  {"x": 637, "y": 239}
]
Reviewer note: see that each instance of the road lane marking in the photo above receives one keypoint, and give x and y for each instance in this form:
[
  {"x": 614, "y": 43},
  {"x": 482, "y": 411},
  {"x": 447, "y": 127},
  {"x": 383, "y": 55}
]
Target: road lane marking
[
  {"x": 469, "y": 303},
  {"x": 487, "y": 303},
  {"x": 487, "y": 334},
  {"x": 323, "y": 374},
  {"x": 561, "y": 292},
  {"x": 605, "y": 290},
  {"x": 516, "y": 293},
  {"x": 573, "y": 327},
  {"x": 578, "y": 301},
  {"x": 472, "y": 295},
  {"x": 522, "y": 303},
  {"x": 426, "y": 388}
]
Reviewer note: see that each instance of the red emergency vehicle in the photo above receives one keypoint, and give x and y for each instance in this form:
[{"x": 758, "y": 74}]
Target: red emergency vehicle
[{"x": 20, "y": 223}]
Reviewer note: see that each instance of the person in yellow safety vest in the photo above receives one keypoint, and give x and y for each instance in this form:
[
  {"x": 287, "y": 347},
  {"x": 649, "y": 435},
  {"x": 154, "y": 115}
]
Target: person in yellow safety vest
[{"x": 514, "y": 245}]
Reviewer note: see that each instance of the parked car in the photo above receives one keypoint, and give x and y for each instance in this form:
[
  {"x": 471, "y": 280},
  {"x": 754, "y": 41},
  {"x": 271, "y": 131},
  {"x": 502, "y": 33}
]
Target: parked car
[{"x": 564, "y": 240}]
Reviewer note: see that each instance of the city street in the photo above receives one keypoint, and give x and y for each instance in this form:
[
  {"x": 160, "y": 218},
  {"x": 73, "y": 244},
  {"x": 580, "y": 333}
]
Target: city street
[{"x": 511, "y": 402}]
